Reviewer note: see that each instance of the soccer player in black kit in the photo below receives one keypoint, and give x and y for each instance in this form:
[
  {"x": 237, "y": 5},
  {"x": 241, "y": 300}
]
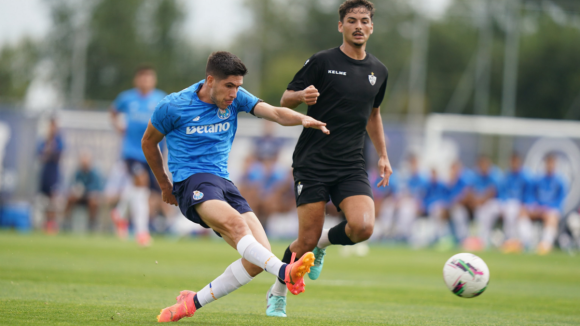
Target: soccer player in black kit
[{"x": 344, "y": 87}]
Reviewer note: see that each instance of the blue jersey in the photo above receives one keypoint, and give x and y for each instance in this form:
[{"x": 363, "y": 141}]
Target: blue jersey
[
  {"x": 482, "y": 183},
  {"x": 548, "y": 191},
  {"x": 435, "y": 191},
  {"x": 199, "y": 135},
  {"x": 514, "y": 185},
  {"x": 138, "y": 109}
]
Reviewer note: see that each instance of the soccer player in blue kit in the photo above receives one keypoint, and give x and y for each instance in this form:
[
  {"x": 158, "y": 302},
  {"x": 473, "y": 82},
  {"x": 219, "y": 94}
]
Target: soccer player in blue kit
[
  {"x": 200, "y": 123},
  {"x": 137, "y": 104},
  {"x": 544, "y": 202}
]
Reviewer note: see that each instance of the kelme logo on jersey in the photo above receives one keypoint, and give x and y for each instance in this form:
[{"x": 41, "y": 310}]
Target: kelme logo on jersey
[
  {"x": 208, "y": 129},
  {"x": 197, "y": 195},
  {"x": 372, "y": 78},
  {"x": 196, "y": 118},
  {"x": 224, "y": 114}
]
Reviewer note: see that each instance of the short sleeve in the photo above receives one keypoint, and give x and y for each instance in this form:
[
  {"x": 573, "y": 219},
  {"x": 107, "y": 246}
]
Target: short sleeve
[
  {"x": 245, "y": 101},
  {"x": 162, "y": 118},
  {"x": 308, "y": 75},
  {"x": 120, "y": 103},
  {"x": 381, "y": 94}
]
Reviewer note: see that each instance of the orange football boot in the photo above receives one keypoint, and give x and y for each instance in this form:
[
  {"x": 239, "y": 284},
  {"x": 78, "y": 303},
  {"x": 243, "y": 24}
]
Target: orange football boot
[
  {"x": 295, "y": 272},
  {"x": 183, "y": 308}
]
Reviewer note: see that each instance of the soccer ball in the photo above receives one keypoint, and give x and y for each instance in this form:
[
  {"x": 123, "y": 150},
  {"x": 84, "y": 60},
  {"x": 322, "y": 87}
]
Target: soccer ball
[{"x": 466, "y": 275}]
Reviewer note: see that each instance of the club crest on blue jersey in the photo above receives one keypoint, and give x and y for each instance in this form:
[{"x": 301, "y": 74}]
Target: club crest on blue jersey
[
  {"x": 224, "y": 114},
  {"x": 372, "y": 78},
  {"x": 197, "y": 195}
]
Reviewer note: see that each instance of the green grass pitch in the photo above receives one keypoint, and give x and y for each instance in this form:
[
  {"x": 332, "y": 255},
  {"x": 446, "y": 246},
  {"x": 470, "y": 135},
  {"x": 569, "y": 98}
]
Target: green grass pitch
[{"x": 66, "y": 280}]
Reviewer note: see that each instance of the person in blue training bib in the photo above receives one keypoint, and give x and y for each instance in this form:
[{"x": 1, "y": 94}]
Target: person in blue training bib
[
  {"x": 410, "y": 200},
  {"x": 137, "y": 104},
  {"x": 459, "y": 197},
  {"x": 484, "y": 202},
  {"x": 513, "y": 188},
  {"x": 544, "y": 202},
  {"x": 199, "y": 124}
]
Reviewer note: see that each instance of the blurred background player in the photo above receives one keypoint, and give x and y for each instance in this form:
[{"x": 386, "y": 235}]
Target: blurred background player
[
  {"x": 50, "y": 151},
  {"x": 434, "y": 205},
  {"x": 544, "y": 203},
  {"x": 138, "y": 105},
  {"x": 459, "y": 199},
  {"x": 514, "y": 186},
  {"x": 484, "y": 203},
  {"x": 86, "y": 191},
  {"x": 410, "y": 200}
]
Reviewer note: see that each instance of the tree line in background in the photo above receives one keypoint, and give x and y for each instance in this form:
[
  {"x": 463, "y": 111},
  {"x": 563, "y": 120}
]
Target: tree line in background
[{"x": 95, "y": 45}]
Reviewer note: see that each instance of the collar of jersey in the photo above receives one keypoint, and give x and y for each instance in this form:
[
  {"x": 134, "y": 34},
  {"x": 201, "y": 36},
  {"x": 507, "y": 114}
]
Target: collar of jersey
[{"x": 195, "y": 88}]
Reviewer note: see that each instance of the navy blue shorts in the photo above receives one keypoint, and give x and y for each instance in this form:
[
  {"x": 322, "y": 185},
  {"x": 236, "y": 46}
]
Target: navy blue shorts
[
  {"x": 136, "y": 167},
  {"x": 206, "y": 186}
]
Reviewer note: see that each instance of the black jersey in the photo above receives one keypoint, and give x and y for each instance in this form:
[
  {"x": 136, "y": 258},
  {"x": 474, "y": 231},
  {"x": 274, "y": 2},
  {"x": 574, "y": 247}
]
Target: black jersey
[{"x": 349, "y": 90}]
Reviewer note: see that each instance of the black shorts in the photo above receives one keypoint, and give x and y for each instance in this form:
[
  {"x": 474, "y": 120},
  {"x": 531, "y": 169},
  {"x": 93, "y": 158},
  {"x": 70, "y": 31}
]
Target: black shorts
[
  {"x": 309, "y": 187},
  {"x": 205, "y": 186},
  {"x": 136, "y": 167}
]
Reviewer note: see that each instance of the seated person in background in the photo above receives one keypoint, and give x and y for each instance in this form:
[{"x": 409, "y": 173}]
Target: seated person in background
[
  {"x": 484, "y": 202},
  {"x": 435, "y": 203},
  {"x": 459, "y": 197},
  {"x": 85, "y": 190},
  {"x": 411, "y": 198},
  {"x": 544, "y": 202},
  {"x": 268, "y": 146},
  {"x": 513, "y": 188}
]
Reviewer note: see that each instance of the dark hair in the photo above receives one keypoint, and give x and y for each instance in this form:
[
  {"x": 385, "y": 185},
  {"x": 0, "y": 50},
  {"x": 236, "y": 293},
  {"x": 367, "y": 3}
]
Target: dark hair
[
  {"x": 222, "y": 64},
  {"x": 144, "y": 68},
  {"x": 350, "y": 5}
]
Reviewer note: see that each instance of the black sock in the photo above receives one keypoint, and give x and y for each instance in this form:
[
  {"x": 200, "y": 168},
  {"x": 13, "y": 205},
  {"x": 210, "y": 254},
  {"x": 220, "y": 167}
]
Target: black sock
[
  {"x": 337, "y": 235},
  {"x": 286, "y": 259},
  {"x": 196, "y": 302}
]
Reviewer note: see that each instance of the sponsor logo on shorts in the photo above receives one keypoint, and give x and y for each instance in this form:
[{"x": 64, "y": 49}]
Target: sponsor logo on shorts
[
  {"x": 224, "y": 114},
  {"x": 197, "y": 195},
  {"x": 208, "y": 129},
  {"x": 299, "y": 188}
]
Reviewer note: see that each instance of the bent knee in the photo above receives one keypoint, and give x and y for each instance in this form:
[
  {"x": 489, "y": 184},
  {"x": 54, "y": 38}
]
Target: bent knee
[{"x": 361, "y": 232}]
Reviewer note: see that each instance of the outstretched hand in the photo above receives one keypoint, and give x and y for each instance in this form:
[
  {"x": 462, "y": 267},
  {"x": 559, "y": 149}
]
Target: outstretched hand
[
  {"x": 309, "y": 122},
  {"x": 385, "y": 171}
]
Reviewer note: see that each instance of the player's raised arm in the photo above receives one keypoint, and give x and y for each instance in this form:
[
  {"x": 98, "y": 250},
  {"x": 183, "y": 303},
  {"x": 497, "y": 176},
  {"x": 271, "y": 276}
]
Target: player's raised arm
[
  {"x": 149, "y": 143},
  {"x": 287, "y": 117},
  {"x": 292, "y": 99}
]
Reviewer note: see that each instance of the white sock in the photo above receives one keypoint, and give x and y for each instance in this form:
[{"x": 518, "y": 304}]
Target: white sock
[
  {"x": 526, "y": 231},
  {"x": 323, "y": 242},
  {"x": 485, "y": 217},
  {"x": 406, "y": 217},
  {"x": 279, "y": 289},
  {"x": 232, "y": 279},
  {"x": 549, "y": 235},
  {"x": 258, "y": 255},
  {"x": 140, "y": 209}
]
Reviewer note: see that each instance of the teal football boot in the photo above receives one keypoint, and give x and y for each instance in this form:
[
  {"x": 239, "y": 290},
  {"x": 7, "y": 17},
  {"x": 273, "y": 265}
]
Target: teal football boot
[
  {"x": 318, "y": 262},
  {"x": 276, "y": 305}
]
